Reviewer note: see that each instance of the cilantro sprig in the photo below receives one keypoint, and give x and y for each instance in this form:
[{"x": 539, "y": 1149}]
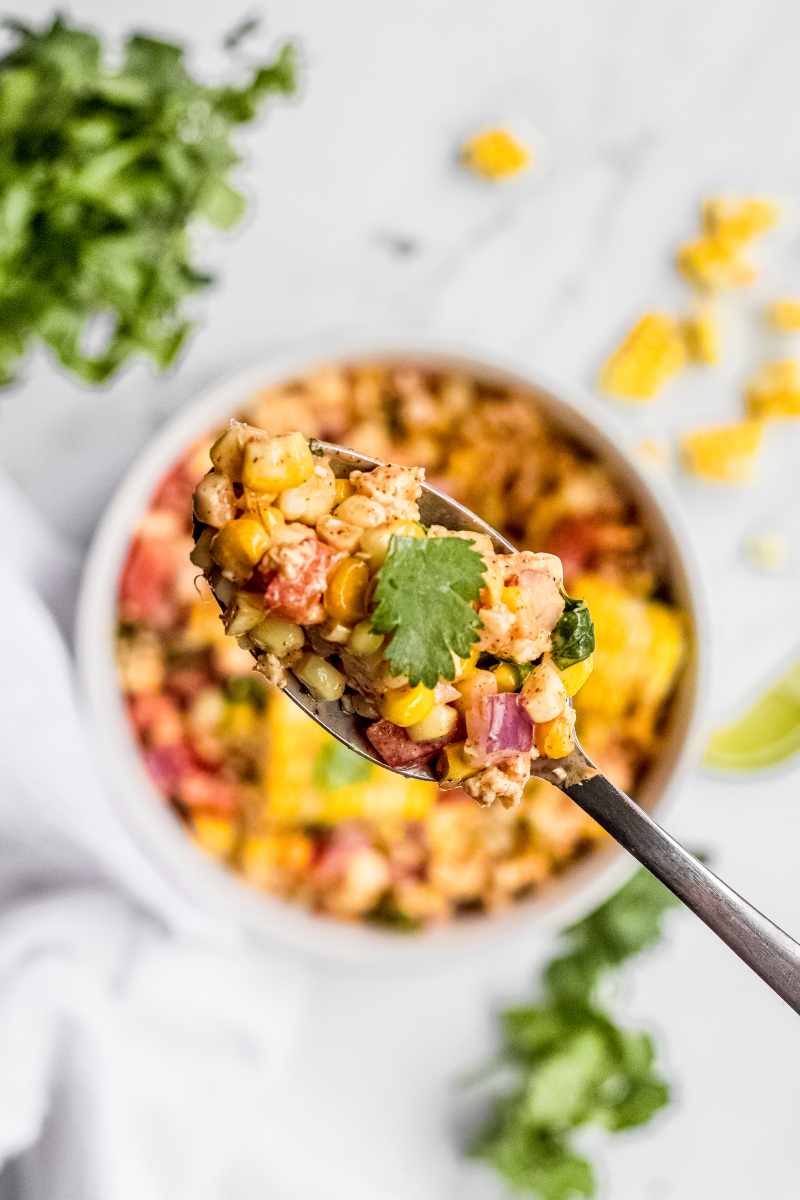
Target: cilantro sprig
[
  {"x": 103, "y": 171},
  {"x": 424, "y": 599},
  {"x": 571, "y": 1064},
  {"x": 573, "y": 636}
]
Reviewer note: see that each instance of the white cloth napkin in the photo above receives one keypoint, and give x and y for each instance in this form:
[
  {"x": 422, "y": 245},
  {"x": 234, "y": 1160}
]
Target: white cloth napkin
[{"x": 141, "y": 1049}]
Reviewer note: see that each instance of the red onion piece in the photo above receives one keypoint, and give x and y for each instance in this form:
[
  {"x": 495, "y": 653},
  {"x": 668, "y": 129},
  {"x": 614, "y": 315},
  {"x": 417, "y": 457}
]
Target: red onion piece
[{"x": 498, "y": 726}]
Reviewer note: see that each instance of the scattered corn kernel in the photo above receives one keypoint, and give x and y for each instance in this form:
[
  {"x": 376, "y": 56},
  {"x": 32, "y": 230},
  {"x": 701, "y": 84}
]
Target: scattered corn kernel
[
  {"x": 774, "y": 391},
  {"x": 278, "y": 463},
  {"x": 784, "y": 315},
  {"x": 652, "y": 352},
  {"x": 238, "y": 546},
  {"x": 712, "y": 264},
  {"x": 724, "y": 454},
  {"x": 554, "y": 738},
  {"x": 345, "y": 598},
  {"x": 701, "y": 335},
  {"x": 496, "y": 154},
  {"x": 574, "y": 677},
  {"x": 736, "y": 222},
  {"x": 407, "y": 705},
  {"x": 768, "y": 551},
  {"x": 655, "y": 452},
  {"x": 440, "y": 722},
  {"x": 217, "y": 835}
]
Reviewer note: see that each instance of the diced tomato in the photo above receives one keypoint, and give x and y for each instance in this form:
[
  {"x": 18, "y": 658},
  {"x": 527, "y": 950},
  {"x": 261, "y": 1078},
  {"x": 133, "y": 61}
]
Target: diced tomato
[
  {"x": 156, "y": 719},
  {"x": 200, "y": 789},
  {"x": 146, "y": 586},
  {"x": 396, "y": 747},
  {"x": 295, "y": 592},
  {"x": 168, "y": 765},
  {"x": 575, "y": 541}
]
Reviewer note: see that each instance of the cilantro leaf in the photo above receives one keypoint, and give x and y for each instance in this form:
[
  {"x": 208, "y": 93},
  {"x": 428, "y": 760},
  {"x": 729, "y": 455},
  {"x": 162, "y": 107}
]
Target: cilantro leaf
[
  {"x": 335, "y": 766},
  {"x": 424, "y": 599},
  {"x": 573, "y": 636},
  {"x": 104, "y": 170},
  {"x": 571, "y": 1065}
]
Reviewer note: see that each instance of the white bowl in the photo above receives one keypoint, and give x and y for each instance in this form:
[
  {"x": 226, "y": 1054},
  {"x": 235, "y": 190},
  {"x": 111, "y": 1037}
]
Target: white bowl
[{"x": 218, "y": 891}]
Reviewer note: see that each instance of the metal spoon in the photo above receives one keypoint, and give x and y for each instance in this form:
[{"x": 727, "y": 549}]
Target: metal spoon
[{"x": 760, "y": 943}]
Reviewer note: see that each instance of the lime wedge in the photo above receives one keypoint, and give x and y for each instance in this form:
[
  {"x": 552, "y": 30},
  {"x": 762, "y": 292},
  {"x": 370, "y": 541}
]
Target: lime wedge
[{"x": 766, "y": 734}]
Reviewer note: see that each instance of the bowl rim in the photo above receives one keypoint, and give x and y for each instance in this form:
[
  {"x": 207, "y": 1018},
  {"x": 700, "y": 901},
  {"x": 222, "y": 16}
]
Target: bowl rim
[{"x": 214, "y": 889}]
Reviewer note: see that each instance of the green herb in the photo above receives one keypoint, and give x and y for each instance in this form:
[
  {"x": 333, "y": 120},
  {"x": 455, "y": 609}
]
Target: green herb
[
  {"x": 387, "y": 914},
  {"x": 573, "y": 636},
  {"x": 247, "y": 689},
  {"x": 336, "y": 765},
  {"x": 103, "y": 170},
  {"x": 571, "y": 1064},
  {"x": 424, "y": 599}
]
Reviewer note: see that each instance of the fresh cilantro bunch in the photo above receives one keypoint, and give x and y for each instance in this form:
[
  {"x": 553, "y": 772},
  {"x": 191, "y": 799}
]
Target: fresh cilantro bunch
[
  {"x": 103, "y": 170},
  {"x": 571, "y": 1064},
  {"x": 424, "y": 598}
]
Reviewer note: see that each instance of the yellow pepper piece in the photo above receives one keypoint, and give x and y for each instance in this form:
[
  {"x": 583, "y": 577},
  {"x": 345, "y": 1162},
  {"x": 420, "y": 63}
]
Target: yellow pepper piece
[
  {"x": 574, "y": 677},
  {"x": 345, "y": 598},
  {"x": 408, "y": 705},
  {"x": 652, "y": 352},
  {"x": 238, "y": 546},
  {"x": 725, "y": 453},
  {"x": 554, "y": 738},
  {"x": 496, "y": 154},
  {"x": 217, "y": 835},
  {"x": 452, "y": 766},
  {"x": 701, "y": 335},
  {"x": 774, "y": 391},
  {"x": 784, "y": 315}
]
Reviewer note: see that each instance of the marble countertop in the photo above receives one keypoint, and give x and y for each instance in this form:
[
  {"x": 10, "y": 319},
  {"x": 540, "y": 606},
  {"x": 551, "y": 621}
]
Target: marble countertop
[{"x": 635, "y": 111}]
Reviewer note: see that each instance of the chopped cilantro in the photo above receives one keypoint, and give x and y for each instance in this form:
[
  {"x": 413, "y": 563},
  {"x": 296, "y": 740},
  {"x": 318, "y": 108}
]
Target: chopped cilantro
[
  {"x": 573, "y": 636},
  {"x": 336, "y": 765},
  {"x": 425, "y": 595},
  {"x": 571, "y": 1064},
  {"x": 104, "y": 170}
]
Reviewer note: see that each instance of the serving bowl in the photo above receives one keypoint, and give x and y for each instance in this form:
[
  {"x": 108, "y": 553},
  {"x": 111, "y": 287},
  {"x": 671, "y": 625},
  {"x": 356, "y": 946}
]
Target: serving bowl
[{"x": 214, "y": 889}]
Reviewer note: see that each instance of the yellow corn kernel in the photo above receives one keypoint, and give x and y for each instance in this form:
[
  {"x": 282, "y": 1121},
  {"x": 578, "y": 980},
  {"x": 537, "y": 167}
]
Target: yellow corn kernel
[
  {"x": 724, "y": 454},
  {"x": 409, "y": 529},
  {"x": 711, "y": 263},
  {"x": 464, "y": 667},
  {"x": 277, "y": 463},
  {"x": 512, "y": 598},
  {"x": 701, "y": 335},
  {"x": 784, "y": 315},
  {"x": 574, "y": 677},
  {"x": 227, "y": 452},
  {"x": 278, "y": 636},
  {"x": 238, "y": 546},
  {"x": 342, "y": 489},
  {"x": 774, "y": 391},
  {"x": 364, "y": 641},
  {"x": 452, "y": 766},
  {"x": 507, "y": 677},
  {"x": 217, "y": 835},
  {"x": 554, "y": 738},
  {"x": 736, "y": 222},
  {"x": 321, "y": 678},
  {"x": 407, "y": 705},
  {"x": 495, "y": 154},
  {"x": 271, "y": 518},
  {"x": 345, "y": 597},
  {"x": 649, "y": 355},
  {"x": 440, "y": 721}
]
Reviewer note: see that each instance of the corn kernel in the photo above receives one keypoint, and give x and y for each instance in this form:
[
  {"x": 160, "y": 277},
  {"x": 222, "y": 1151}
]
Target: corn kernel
[
  {"x": 574, "y": 677},
  {"x": 238, "y": 546},
  {"x": 227, "y": 452},
  {"x": 512, "y": 598},
  {"x": 554, "y": 738},
  {"x": 507, "y": 677},
  {"x": 495, "y": 154},
  {"x": 476, "y": 685},
  {"x": 784, "y": 315},
  {"x": 407, "y": 705},
  {"x": 774, "y": 391},
  {"x": 440, "y": 722},
  {"x": 217, "y": 835},
  {"x": 321, "y": 678},
  {"x": 711, "y": 264},
  {"x": 364, "y": 641},
  {"x": 342, "y": 489},
  {"x": 345, "y": 597},
  {"x": 452, "y": 766},
  {"x": 277, "y": 463},
  {"x": 278, "y": 636},
  {"x": 725, "y": 454},
  {"x": 649, "y": 355},
  {"x": 736, "y": 222},
  {"x": 464, "y": 667},
  {"x": 701, "y": 335},
  {"x": 244, "y": 613}
]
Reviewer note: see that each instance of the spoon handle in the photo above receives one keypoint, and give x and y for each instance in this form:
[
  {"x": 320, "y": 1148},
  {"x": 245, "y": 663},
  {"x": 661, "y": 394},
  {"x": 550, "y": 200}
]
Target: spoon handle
[{"x": 760, "y": 943}]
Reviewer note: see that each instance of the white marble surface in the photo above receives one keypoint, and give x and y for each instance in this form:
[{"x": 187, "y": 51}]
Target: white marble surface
[{"x": 638, "y": 110}]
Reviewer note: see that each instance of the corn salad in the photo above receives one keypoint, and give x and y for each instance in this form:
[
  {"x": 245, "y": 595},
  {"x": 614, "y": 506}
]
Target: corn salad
[{"x": 341, "y": 837}]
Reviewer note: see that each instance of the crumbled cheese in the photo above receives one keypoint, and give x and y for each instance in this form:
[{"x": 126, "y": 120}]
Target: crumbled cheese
[
  {"x": 724, "y": 454},
  {"x": 774, "y": 391},
  {"x": 651, "y": 352},
  {"x": 496, "y": 154}
]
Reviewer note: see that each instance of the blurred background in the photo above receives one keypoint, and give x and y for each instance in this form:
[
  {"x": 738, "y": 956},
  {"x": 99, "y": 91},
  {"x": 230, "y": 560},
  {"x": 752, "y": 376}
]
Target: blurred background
[{"x": 371, "y": 211}]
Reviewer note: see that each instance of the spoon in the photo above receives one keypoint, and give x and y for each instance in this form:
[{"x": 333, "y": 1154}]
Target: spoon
[{"x": 757, "y": 941}]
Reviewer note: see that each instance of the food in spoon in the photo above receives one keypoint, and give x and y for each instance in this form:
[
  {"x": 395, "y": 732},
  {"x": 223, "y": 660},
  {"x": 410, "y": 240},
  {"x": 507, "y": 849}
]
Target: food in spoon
[{"x": 452, "y": 653}]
